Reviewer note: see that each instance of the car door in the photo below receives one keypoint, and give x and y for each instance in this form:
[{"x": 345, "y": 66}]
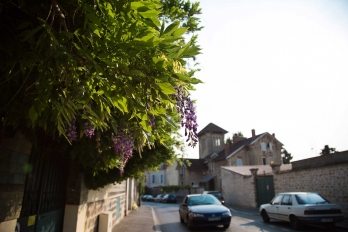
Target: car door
[
  {"x": 284, "y": 208},
  {"x": 272, "y": 209},
  {"x": 184, "y": 208}
]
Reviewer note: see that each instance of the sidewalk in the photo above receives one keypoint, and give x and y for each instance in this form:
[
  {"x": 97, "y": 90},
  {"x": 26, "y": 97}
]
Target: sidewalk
[
  {"x": 141, "y": 220},
  {"x": 255, "y": 211}
]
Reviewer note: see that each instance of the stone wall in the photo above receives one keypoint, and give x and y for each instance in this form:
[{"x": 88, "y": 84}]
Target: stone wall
[
  {"x": 330, "y": 179},
  {"x": 82, "y": 214},
  {"x": 238, "y": 189},
  {"x": 14, "y": 155}
]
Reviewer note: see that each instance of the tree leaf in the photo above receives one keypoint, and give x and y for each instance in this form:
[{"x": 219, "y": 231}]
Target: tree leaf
[{"x": 166, "y": 88}]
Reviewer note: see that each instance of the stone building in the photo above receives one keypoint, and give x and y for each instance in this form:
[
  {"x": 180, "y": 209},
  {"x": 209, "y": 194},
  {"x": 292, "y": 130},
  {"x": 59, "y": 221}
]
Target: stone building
[{"x": 261, "y": 149}]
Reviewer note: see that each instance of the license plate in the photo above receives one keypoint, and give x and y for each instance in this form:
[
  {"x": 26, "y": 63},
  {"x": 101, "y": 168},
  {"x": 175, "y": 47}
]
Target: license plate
[
  {"x": 214, "y": 219},
  {"x": 326, "y": 220}
]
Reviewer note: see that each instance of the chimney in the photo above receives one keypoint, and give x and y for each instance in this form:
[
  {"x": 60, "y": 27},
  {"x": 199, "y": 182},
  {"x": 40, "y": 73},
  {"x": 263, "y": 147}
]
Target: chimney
[
  {"x": 273, "y": 135},
  {"x": 253, "y": 133},
  {"x": 227, "y": 148},
  {"x": 237, "y": 138}
]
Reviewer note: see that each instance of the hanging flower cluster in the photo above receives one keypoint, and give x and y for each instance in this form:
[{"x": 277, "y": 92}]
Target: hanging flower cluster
[
  {"x": 189, "y": 119},
  {"x": 123, "y": 146},
  {"x": 152, "y": 120},
  {"x": 89, "y": 129},
  {"x": 70, "y": 130}
]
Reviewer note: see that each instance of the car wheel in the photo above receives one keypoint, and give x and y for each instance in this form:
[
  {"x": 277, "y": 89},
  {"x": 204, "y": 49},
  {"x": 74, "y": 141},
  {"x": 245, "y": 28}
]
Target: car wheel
[
  {"x": 295, "y": 223},
  {"x": 265, "y": 217},
  {"x": 181, "y": 219},
  {"x": 226, "y": 226},
  {"x": 189, "y": 225}
]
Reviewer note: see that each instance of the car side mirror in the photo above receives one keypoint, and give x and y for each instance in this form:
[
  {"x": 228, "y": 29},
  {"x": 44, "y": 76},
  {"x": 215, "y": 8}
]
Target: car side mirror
[{"x": 223, "y": 202}]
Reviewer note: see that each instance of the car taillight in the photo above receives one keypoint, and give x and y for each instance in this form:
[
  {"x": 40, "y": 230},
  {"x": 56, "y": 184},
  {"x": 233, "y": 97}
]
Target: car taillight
[{"x": 308, "y": 211}]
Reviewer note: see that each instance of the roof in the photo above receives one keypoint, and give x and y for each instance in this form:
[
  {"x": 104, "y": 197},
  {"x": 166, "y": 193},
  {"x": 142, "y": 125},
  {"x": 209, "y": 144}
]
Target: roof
[
  {"x": 234, "y": 147},
  {"x": 206, "y": 179},
  {"x": 196, "y": 163},
  {"x": 211, "y": 127},
  {"x": 263, "y": 169}
]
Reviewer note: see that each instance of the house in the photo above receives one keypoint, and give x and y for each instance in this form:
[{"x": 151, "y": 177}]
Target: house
[
  {"x": 192, "y": 174},
  {"x": 261, "y": 149},
  {"x": 167, "y": 174}
]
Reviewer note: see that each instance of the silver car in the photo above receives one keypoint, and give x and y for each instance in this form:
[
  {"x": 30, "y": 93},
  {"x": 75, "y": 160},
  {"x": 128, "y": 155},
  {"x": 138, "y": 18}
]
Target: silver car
[{"x": 300, "y": 209}]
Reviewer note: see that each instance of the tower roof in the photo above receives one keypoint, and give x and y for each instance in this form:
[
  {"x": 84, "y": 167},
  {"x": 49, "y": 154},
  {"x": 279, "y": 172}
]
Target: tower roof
[{"x": 211, "y": 127}]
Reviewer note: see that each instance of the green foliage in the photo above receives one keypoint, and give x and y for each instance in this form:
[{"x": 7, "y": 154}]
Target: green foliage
[
  {"x": 173, "y": 188},
  {"x": 239, "y": 134},
  {"x": 286, "y": 157},
  {"x": 109, "y": 63},
  {"x": 327, "y": 150},
  {"x": 229, "y": 140}
]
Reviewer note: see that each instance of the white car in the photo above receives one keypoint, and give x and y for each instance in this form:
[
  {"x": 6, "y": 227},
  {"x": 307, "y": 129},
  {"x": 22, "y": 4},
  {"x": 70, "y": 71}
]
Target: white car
[{"x": 301, "y": 208}]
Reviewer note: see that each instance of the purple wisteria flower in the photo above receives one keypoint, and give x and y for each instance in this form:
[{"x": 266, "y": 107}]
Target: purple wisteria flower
[
  {"x": 152, "y": 120},
  {"x": 70, "y": 130},
  {"x": 189, "y": 119},
  {"x": 123, "y": 146},
  {"x": 89, "y": 129}
]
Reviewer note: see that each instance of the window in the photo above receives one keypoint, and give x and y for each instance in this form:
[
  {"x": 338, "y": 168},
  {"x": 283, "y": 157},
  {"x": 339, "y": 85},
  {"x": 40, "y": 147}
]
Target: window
[
  {"x": 264, "y": 160},
  {"x": 161, "y": 178},
  {"x": 263, "y": 146},
  {"x": 286, "y": 200},
  {"x": 277, "y": 200},
  {"x": 153, "y": 178},
  {"x": 270, "y": 146},
  {"x": 239, "y": 162},
  {"x": 216, "y": 142},
  {"x": 192, "y": 183}
]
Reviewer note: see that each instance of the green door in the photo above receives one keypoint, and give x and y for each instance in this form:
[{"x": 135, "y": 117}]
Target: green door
[{"x": 265, "y": 189}]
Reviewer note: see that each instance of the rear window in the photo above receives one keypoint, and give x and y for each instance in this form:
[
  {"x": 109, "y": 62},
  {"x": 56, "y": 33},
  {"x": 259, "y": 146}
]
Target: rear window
[{"x": 310, "y": 198}]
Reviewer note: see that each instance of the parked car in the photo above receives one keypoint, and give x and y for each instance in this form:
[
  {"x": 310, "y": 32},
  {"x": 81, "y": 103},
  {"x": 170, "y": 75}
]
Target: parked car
[
  {"x": 169, "y": 198},
  {"x": 158, "y": 198},
  {"x": 301, "y": 208},
  {"x": 148, "y": 198},
  {"x": 216, "y": 194},
  {"x": 204, "y": 210}
]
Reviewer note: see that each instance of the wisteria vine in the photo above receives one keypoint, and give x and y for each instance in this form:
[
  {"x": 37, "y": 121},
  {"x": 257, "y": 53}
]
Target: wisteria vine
[{"x": 189, "y": 119}]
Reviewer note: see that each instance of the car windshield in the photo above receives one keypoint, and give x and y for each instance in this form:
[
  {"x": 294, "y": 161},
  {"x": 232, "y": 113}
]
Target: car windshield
[
  {"x": 203, "y": 200},
  {"x": 310, "y": 198}
]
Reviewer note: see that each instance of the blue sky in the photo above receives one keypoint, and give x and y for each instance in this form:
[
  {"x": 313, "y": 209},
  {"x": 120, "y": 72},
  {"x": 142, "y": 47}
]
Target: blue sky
[{"x": 275, "y": 66}]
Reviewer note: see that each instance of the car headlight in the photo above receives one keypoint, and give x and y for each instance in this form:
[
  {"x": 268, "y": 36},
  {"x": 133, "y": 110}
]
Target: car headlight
[
  {"x": 196, "y": 215},
  {"x": 228, "y": 213}
]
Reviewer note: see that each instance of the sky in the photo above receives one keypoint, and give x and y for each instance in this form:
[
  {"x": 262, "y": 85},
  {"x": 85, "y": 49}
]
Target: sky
[{"x": 275, "y": 66}]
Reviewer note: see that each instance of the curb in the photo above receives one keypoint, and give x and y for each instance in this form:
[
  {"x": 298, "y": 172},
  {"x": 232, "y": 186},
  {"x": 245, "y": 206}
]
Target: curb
[{"x": 155, "y": 220}]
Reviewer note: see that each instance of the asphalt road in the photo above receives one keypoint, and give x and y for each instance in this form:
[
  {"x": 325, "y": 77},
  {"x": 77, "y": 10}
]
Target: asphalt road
[{"x": 168, "y": 221}]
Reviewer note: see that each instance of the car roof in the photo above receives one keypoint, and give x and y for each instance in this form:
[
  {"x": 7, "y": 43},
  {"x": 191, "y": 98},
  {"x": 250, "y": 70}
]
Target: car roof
[{"x": 298, "y": 193}]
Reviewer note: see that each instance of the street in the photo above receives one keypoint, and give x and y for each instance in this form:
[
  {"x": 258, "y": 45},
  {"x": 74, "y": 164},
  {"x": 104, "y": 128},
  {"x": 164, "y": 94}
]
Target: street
[{"x": 168, "y": 221}]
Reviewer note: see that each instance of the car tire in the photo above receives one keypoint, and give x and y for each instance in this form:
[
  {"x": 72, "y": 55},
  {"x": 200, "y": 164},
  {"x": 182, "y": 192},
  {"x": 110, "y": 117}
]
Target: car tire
[
  {"x": 226, "y": 226},
  {"x": 189, "y": 225},
  {"x": 295, "y": 223},
  {"x": 181, "y": 219},
  {"x": 265, "y": 217}
]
